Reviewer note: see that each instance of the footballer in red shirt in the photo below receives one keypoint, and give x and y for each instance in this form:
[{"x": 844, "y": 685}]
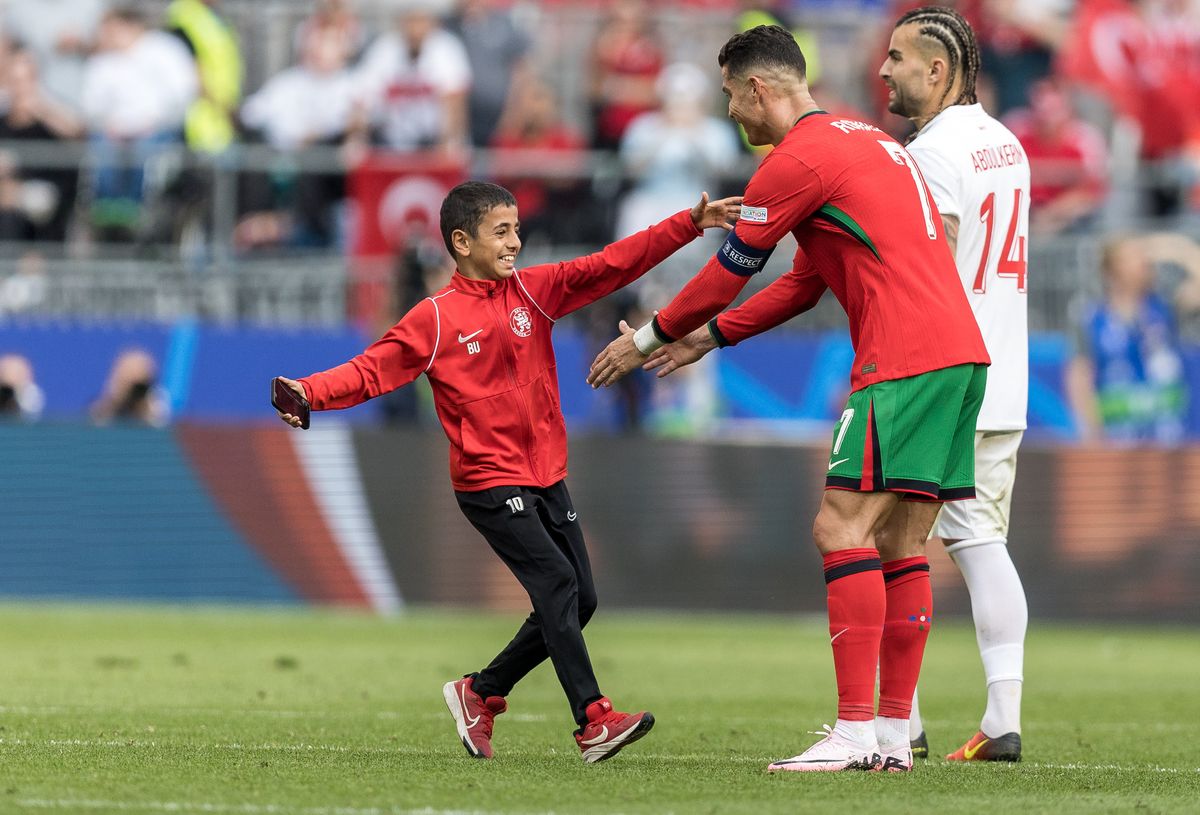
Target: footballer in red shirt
[
  {"x": 869, "y": 231},
  {"x": 483, "y": 342}
]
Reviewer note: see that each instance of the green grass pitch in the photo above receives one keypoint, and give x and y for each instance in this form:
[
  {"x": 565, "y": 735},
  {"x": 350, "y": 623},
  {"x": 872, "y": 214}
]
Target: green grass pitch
[{"x": 268, "y": 712}]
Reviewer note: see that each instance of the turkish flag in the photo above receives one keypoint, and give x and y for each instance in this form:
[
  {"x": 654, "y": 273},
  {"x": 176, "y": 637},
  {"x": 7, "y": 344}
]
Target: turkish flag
[{"x": 396, "y": 199}]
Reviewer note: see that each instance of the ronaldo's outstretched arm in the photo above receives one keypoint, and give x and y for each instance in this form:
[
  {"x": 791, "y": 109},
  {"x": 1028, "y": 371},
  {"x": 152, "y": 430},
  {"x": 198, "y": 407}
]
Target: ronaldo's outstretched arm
[
  {"x": 703, "y": 298},
  {"x": 790, "y": 295}
]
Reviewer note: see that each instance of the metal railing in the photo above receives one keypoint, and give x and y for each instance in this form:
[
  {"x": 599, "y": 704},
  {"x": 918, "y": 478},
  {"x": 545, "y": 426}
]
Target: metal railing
[{"x": 201, "y": 275}]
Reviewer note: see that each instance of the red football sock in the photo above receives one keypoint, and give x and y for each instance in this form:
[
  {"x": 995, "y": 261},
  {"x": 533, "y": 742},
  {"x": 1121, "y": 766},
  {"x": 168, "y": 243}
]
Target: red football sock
[
  {"x": 854, "y": 586},
  {"x": 905, "y": 630}
]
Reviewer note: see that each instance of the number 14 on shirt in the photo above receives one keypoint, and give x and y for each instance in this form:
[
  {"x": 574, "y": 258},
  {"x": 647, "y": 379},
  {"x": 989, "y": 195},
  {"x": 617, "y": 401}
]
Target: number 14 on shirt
[{"x": 1008, "y": 265}]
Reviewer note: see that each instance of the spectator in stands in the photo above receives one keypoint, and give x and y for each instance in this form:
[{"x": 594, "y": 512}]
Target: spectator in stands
[
  {"x": 132, "y": 394},
  {"x": 1136, "y": 62},
  {"x": 25, "y": 289},
  {"x": 669, "y": 152},
  {"x": 213, "y": 43},
  {"x": 59, "y": 34},
  {"x": 32, "y": 115},
  {"x": 20, "y": 396},
  {"x": 1126, "y": 382},
  {"x": 1067, "y": 158},
  {"x": 1171, "y": 110},
  {"x": 542, "y": 160},
  {"x": 673, "y": 151},
  {"x": 309, "y": 103},
  {"x": 338, "y": 16},
  {"x": 626, "y": 60},
  {"x": 1018, "y": 40},
  {"x": 15, "y": 223},
  {"x": 496, "y": 47},
  {"x": 136, "y": 93},
  {"x": 313, "y": 103},
  {"x": 415, "y": 81}
]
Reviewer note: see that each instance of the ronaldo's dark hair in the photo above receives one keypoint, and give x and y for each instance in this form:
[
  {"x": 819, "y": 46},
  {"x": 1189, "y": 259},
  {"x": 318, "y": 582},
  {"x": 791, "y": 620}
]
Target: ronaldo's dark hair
[
  {"x": 465, "y": 206},
  {"x": 952, "y": 31},
  {"x": 764, "y": 46}
]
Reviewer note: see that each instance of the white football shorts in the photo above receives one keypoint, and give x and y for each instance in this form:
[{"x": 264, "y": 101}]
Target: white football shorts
[{"x": 985, "y": 515}]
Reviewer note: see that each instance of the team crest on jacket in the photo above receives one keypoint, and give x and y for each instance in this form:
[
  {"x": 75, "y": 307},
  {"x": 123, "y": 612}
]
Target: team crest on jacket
[{"x": 521, "y": 321}]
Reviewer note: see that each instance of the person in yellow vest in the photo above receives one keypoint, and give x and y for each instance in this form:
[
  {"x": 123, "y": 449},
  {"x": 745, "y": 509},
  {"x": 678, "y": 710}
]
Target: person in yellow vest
[{"x": 213, "y": 42}]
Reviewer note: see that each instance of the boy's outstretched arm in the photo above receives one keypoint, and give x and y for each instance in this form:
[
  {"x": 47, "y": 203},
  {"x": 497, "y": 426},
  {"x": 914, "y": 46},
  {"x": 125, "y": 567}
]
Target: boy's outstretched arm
[
  {"x": 394, "y": 360},
  {"x": 560, "y": 288}
]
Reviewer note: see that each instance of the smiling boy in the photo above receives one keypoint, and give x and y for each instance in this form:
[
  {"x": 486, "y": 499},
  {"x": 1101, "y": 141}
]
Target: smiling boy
[{"x": 483, "y": 341}]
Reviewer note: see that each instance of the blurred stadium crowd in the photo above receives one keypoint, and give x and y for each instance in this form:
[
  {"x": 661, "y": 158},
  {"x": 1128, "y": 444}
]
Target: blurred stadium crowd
[{"x": 178, "y": 144}]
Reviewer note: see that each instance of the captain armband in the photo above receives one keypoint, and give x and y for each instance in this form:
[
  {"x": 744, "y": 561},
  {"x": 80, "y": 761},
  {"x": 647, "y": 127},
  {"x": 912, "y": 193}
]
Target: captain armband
[{"x": 741, "y": 258}]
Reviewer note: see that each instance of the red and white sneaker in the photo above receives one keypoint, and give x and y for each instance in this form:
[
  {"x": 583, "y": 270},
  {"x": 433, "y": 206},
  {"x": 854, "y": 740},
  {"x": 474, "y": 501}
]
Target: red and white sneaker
[
  {"x": 831, "y": 754},
  {"x": 473, "y": 715},
  {"x": 608, "y": 730}
]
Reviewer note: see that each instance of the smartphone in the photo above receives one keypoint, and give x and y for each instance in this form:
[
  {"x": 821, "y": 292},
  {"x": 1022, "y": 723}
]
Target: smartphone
[{"x": 286, "y": 400}]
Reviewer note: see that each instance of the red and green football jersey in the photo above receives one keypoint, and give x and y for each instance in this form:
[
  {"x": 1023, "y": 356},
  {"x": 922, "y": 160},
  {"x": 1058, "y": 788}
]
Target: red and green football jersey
[{"x": 868, "y": 229}]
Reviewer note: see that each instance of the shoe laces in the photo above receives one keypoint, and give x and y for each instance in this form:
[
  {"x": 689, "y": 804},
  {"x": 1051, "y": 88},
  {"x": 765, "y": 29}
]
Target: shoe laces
[
  {"x": 611, "y": 717},
  {"x": 825, "y": 731}
]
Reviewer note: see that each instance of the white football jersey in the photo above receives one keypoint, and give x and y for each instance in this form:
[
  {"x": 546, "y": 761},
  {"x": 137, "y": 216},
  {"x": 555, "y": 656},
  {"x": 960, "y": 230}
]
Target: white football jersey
[{"x": 978, "y": 172}]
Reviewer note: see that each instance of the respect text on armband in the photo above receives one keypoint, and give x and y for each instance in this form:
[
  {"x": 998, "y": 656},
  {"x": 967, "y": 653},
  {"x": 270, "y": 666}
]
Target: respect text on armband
[{"x": 740, "y": 258}]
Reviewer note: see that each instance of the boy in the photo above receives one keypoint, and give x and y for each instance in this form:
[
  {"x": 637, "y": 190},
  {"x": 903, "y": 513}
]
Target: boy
[{"x": 484, "y": 343}]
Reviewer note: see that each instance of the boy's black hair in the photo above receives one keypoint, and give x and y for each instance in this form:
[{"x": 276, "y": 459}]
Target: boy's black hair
[{"x": 465, "y": 206}]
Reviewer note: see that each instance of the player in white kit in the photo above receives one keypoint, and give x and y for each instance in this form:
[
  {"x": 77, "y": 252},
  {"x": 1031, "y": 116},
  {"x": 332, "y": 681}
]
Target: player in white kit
[{"x": 979, "y": 177}]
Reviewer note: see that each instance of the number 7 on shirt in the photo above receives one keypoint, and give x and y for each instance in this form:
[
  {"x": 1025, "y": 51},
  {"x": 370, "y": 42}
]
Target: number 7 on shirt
[{"x": 901, "y": 157}]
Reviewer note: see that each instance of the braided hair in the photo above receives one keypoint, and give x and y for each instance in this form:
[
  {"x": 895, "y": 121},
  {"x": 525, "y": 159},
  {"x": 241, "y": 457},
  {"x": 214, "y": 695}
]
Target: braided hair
[{"x": 954, "y": 33}]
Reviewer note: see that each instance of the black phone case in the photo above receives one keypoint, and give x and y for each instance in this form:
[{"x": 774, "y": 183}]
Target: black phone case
[{"x": 285, "y": 400}]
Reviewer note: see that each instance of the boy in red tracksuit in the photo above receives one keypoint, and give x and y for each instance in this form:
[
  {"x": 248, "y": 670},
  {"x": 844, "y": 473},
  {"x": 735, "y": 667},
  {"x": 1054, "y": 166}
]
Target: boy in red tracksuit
[{"x": 483, "y": 341}]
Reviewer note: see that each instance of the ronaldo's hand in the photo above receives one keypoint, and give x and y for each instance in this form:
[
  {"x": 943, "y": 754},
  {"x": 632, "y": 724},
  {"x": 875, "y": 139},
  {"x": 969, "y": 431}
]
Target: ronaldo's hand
[
  {"x": 723, "y": 213},
  {"x": 619, "y": 358},
  {"x": 682, "y": 352}
]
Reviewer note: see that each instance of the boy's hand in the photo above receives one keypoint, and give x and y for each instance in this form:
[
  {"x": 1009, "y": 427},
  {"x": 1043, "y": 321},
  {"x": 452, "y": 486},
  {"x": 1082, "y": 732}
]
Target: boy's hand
[
  {"x": 294, "y": 421},
  {"x": 681, "y": 352},
  {"x": 723, "y": 213}
]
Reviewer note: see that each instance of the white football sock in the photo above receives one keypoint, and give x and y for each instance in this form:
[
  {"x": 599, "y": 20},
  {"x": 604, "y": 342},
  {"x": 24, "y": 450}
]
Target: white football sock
[
  {"x": 860, "y": 733},
  {"x": 914, "y": 720},
  {"x": 1001, "y": 617},
  {"x": 892, "y": 733}
]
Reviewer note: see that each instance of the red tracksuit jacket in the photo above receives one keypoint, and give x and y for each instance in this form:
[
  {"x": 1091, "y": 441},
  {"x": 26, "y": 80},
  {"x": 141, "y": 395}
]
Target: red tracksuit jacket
[{"x": 485, "y": 347}]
